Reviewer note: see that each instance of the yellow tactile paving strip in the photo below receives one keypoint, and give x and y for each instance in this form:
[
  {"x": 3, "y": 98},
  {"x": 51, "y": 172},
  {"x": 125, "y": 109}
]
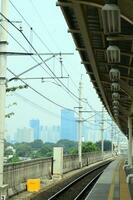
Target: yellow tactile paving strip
[
  {"x": 112, "y": 187},
  {"x": 124, "y": 190}
]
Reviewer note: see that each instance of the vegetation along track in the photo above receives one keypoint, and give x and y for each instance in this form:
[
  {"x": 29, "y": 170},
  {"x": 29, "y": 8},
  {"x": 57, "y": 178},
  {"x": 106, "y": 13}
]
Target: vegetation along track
[{"x": 76, "y": 188}]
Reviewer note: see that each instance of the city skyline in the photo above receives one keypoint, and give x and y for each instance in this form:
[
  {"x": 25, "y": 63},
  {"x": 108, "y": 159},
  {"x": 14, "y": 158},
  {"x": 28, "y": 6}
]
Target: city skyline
[{"x": 67, "y": 129}]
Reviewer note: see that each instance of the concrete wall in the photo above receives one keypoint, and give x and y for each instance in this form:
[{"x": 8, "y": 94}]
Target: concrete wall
[
  {"x": 16, "y": 175},
  {"x": 71, "y": 162}
]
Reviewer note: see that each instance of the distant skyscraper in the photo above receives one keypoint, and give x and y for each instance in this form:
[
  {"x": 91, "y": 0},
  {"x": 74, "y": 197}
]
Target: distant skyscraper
[
  {"x": 35, "y": 125},
  {"x": 68, "y": 125},
  {"x": 51, "y": 134},
  {"x": 24, "y": 135}
]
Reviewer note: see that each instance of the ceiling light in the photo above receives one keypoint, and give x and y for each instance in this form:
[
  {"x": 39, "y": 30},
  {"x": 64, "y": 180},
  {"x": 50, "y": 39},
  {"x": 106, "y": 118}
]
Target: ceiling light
[
  {"x": 114, "y": 75},
  {"x": 111, "y": 17},
  {"x": 115, "y": 103},
  {"x": 113, "y": 54},
  {"x": 115, "y": 87},
  {"x": 115, "y": 96}
]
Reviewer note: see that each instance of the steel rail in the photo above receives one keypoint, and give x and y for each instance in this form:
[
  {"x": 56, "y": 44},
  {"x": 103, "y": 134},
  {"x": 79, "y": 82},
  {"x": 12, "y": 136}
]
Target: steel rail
[
  {"x": 75, "y": 181},
  {"x": 79, "y": 196}
]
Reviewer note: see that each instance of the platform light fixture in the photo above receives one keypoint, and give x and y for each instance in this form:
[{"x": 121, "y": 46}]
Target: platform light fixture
[
  {"x": 115, "y": 103},
  {"x": 114, "y": 75},
  {"x": 113, "y": 54},
  {"x": 111, "y": 17},
  {"x": 116, "y": 116},
  {"x": 116, "y": 110},
  {"x": 115, "y": 96},
  {"x": 115, "y": 107},
  {"x": 115, "y": 87}
]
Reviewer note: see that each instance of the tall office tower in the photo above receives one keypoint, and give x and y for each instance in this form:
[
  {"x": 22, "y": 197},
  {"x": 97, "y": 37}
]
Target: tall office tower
[
  {"x": 68, "y": 125},
  {"x": 24, "y": 135},
  {"x": 51, "y": 134},
  {"x": 35, "y": 125}
]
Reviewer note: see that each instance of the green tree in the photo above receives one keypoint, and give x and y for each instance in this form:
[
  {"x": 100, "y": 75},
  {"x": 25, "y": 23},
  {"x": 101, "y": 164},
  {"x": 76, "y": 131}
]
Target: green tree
[
  {"x": 23, "y": 149},
  {"x": 37, "y": 144},
  {"x": 45, "y": 151},
  {"x": 14, "y": 159},
  {"x": 89, "y": 147},
  {"x": 107, "y": 145},
  {"x": 67, "y": 145}
]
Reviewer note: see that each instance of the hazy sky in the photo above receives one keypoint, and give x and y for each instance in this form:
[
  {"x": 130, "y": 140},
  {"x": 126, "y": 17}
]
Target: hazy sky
[{"x": 48, "y": 23}]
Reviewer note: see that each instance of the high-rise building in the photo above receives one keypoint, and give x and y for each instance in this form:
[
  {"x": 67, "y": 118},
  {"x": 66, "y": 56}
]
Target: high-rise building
[
  {"x": 51, "y": 134},
  {"x": 24, "y": 135},
  {"x": 68, "y": 125},
  {"x": 35, "y": 125}
]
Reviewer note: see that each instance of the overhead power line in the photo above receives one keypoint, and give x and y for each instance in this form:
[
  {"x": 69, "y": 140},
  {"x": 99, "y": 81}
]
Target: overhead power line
[
  {"x": 38, "y": 64},
  {"x": 70, "y": 92},
  {"x": 39, "y": 93},
  {"x": 40, "y": 39}
]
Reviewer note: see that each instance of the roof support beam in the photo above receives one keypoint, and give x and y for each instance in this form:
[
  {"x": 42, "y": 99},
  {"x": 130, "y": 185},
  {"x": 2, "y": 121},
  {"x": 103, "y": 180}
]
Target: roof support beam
[
  {"x": 73, "y": 31},
  {"x": 125, "y": 10},
  {"x": 84, "y": 32},
  {"x": 122, "y": 52},
  {"x": 119, "y": 65},
  {"x": 64, "y": 4},
  {"x": 120, "y": 38}
]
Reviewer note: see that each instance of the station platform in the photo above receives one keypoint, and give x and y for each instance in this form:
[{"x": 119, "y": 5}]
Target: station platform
[{"x": 112, "y": 184}]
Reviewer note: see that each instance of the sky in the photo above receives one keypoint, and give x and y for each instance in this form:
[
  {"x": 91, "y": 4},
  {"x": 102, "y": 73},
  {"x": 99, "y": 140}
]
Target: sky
[{"x": 48, "y": 35}]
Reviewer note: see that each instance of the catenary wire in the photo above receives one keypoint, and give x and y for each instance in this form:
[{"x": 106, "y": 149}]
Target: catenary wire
[
  {"x": 40, "y": 38},
  {"x": 37, "y": 52},
  {"x": 45, "y": 46},
  {"x": 39, "y": 93},
  {"x": 39, "y": 107},
  {"x": 36, "y": 61}
]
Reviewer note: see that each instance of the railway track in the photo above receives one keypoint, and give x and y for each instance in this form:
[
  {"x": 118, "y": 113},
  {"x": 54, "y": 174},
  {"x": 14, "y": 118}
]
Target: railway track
[
  {"x": 80, "y": 187},
  {"x": 76, "y": 189}
]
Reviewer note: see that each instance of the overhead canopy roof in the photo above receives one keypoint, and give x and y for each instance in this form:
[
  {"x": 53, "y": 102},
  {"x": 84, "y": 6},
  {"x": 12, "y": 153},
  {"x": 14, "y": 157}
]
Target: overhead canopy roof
[{"x": 85, "y": 24}]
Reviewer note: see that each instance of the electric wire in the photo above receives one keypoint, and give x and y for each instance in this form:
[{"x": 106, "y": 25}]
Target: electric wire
[
  {"x": 39, "y": 93},
  {"x": 49, "y": 35},
  {"x": 26, "y": 50},
  {"x": 55, "y": 77},
  {"x": 38, "y": 64},
  {"x": 29, "y": 25},
  {"x": 41, "y": 108},
  {"x": 34, "y": 48},
  {"x": 38, "y": 37},
  {"x": 45, "y": 44}
]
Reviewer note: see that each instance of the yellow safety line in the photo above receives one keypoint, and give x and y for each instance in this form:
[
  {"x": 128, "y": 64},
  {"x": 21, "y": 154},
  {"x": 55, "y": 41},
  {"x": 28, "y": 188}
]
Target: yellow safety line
[
  {"x": 124, "y": 190},
  {"x": 111, "y": 190}
]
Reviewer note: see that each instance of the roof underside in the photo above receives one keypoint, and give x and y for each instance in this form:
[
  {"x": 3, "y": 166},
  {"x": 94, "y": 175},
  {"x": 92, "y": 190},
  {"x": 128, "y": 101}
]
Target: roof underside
[{"x": 85, "y": 24}]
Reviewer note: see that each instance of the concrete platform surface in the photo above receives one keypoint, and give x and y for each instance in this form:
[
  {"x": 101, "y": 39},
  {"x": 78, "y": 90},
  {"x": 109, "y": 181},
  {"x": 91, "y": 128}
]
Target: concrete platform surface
[{"x": 112, "y": 184}]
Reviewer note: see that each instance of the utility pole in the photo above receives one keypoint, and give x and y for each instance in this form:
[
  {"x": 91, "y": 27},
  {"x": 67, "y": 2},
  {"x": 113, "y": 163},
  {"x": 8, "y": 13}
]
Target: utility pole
[
  {"x": 3, "y": 62},
  {"x": 80, "y": 124},
  {"x": 112, "y": 145},
  {"x": 102, "y": 130}
]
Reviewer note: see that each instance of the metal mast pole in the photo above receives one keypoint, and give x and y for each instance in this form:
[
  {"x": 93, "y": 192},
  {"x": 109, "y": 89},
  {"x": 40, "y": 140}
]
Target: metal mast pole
[
  {"x": 112, "y": 137},
  {"x": 80, "y": 125},
  {"x": 3, "y": 62},
  {"x": 102, "y": 129},
  {"x": 130, "y": 141}
]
